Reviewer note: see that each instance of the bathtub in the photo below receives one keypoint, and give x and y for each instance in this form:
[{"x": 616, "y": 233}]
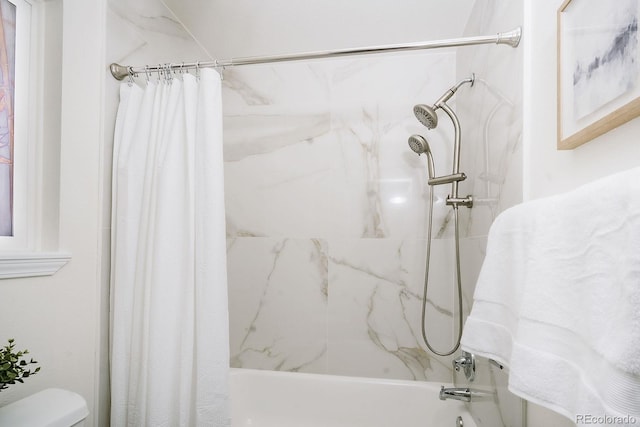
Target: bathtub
[{"x": 283, "y": 399}]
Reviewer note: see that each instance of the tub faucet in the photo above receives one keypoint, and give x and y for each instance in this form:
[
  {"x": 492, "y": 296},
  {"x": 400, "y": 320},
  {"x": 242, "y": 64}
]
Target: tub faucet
[{"x": 456, "y": 393}]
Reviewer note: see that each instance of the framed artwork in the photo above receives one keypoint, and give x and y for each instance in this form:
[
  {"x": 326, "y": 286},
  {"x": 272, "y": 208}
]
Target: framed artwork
[{"x": 598, "y": 68}]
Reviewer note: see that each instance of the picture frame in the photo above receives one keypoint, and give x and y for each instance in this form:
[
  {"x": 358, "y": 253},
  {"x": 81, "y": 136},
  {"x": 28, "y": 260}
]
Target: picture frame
[{"x": 598, "y": 68}]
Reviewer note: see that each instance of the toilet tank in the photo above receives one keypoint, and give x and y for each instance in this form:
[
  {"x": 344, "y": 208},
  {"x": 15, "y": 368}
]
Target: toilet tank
[{"x": 52, "y": 407}]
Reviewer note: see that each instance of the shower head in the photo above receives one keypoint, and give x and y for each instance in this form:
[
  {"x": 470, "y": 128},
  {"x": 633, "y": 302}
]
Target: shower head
[
  {"x": 419, "y": 144},
  {"x": 426, "y": 115}
]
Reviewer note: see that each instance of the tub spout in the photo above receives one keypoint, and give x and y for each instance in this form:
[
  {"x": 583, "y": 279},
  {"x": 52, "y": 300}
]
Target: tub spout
[{"x": 456, "y": 393}]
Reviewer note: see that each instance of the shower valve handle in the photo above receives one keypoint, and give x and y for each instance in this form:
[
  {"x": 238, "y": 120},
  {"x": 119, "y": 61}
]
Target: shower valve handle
[{"x": 467, "y": 362}]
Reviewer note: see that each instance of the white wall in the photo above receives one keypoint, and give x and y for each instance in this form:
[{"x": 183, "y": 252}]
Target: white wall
[
  {"x": 56, "y": 317},
  {"x": 547, "y": 170}
]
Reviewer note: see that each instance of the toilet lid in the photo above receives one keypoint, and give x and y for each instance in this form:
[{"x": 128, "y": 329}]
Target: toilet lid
[{"x": 52, "y": 407}]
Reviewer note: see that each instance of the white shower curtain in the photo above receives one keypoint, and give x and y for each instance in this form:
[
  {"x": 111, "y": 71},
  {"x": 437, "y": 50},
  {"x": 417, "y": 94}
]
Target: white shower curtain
[{"x": 169, "y": 316}]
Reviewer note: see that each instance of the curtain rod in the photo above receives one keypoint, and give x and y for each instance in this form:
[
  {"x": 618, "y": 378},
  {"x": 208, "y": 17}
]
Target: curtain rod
[{"x": 511, "y": 38}]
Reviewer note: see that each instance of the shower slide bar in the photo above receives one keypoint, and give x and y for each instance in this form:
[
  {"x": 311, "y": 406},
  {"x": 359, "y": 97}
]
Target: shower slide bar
[{"x": 511, "y": 38}]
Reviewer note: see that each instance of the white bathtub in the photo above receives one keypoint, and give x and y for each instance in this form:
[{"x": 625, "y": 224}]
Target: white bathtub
[{"x": 283, "y": 399}]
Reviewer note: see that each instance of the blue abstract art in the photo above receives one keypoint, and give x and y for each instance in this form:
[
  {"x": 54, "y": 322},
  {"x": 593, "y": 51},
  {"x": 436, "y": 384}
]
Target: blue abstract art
[
  {"x": 598, "y": 69},
  {"x": 606, "y": 54}
]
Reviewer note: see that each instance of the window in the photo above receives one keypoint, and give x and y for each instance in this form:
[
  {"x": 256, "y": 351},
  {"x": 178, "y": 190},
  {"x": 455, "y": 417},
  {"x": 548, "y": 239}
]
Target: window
[
  {"x": 7, "y": 78},
  {"x": 28, "y": 53}
]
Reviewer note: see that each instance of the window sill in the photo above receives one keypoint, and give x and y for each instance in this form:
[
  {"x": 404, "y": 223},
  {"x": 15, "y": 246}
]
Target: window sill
[{"x": 31, "y": 264}]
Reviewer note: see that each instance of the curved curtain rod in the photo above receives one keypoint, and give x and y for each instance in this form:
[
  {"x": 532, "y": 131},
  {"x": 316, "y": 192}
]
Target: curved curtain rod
[{"x": 511, "y": 38}]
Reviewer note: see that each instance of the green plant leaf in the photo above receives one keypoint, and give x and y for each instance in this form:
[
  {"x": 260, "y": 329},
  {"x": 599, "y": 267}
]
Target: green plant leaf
[{"x": 12, "y": 365}]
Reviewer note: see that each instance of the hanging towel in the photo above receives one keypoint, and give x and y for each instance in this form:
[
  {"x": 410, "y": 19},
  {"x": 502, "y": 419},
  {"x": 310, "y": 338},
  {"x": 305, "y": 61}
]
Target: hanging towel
[{"x": 558, "y": 301}]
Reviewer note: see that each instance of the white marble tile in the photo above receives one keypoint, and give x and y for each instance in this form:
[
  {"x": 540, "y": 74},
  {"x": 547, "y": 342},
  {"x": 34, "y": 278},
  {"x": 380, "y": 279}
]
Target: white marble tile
[
  {"x": 145, "y": 32},
  {"x": 278, "y": 150},
  {"x": 472, "y": 253},
  {"x": 491, "y": 117},
  {"x": 278, "y": 303},
  {"x": 287, "y": 88},
  {"x": 373, "y": 117},
  {"x": 375, "y": 296},
  {"x": 317, "y": 152},
  {"x": 491, "y": 149},
  {"x": 336, "y": 164},
  {"x": 284, "y": 193}
]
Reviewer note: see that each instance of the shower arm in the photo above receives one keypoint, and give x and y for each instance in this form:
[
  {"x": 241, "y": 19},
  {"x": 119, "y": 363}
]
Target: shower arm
[
  {"x": 447, "y": 96},
  {"x": 456, "y": 176},
  {"x": 456, "y": 148}
]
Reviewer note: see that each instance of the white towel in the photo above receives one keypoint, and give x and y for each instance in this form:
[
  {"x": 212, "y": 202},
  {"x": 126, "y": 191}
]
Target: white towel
[{"x": 558, "y": 301}]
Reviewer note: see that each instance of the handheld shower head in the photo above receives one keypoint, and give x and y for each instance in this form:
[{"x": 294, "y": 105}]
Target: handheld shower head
[
  {"x": 426, "y": 115},
  {"x": 419, "y": 144}
]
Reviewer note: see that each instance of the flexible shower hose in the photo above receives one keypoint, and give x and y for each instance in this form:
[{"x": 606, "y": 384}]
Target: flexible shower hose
[{"x": 426, "y": 279}]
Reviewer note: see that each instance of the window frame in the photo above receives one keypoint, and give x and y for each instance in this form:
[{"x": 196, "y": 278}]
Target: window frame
[{"x": 22, "y": 254}]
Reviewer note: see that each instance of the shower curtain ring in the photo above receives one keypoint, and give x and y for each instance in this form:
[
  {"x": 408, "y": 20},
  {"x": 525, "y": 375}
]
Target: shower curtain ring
[
  {"x": 197, "y": 70},
  {"x": 168, "y": 73},
  {"x": 171, "y": 73},
  {"x": 219, "y": 68}
]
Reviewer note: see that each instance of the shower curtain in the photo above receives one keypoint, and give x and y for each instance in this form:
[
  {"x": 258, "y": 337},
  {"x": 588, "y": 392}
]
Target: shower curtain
[{"x": 169, "y": 315}]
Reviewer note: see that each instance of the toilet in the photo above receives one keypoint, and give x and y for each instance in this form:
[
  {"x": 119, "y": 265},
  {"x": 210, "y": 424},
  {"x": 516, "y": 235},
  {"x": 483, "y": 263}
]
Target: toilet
[{"x": 52, "y": 407}]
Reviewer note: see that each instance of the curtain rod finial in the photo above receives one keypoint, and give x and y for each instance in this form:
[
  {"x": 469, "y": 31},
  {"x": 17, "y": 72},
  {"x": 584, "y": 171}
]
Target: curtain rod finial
[
  {"x": 512, "y": 38},
  {"x": 119, "y": 71}
]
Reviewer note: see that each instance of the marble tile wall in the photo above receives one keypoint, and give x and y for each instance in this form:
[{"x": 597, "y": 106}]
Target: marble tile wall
[
  {"x": 492, "y": 157},
  {"x": 326, "y": 216}
]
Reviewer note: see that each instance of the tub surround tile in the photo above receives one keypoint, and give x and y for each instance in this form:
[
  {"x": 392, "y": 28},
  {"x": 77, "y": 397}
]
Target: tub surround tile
[
  {"x": 146, "y": 32},
  {"x": 320, "y": 149},
  {"x": 316, "y": 156},
  {"x": 283, "y": 193},
  {"x": 375, "y": 297},
  {"x": 278, "y": 303},
  {"x": 492, "y": 155},
  {"x": 472, "y": 253}
]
